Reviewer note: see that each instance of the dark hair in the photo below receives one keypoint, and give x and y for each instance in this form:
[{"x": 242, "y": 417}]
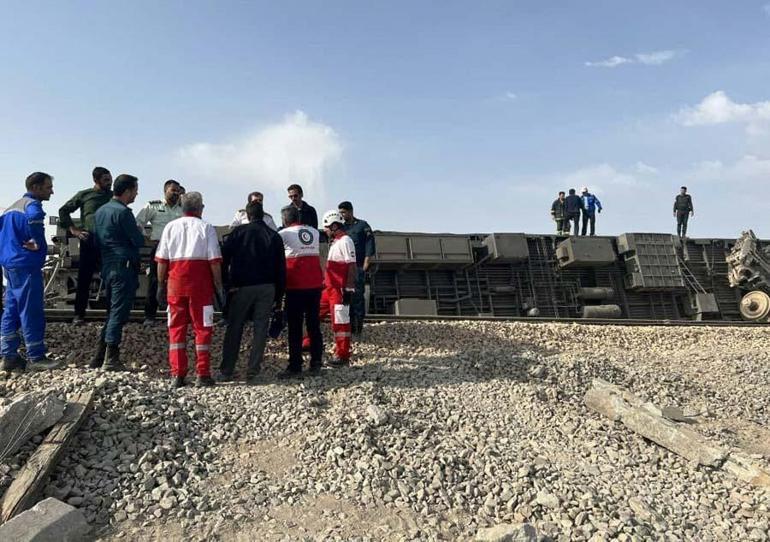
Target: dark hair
[
  {"x": 571, "y": 191},
  {"x": 290, "y": 214},
  {"x": 561, "y": 193},
  {"x": 254, "y": 211},
  {"x": 169, "y": 183},
  {"x": 99, "y": 172},
  {"x": 251, "y": 195},
  {"x": 296, "y": 187},
  {"x": 36, "y": 179},
  {"x": 124, "y": 182},
  {"x": 684, "y": 188},
  {"x": 346, "y": 205},
  {"x": 182, "y": 188}
]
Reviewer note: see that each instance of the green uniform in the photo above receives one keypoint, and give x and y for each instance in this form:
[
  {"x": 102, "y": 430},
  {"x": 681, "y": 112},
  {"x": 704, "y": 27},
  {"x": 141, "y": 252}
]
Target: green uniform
[
  {"x": 119, "y": 240},
  {"x": 88, "y": 201},
  {"x": 157, "y": 214}
]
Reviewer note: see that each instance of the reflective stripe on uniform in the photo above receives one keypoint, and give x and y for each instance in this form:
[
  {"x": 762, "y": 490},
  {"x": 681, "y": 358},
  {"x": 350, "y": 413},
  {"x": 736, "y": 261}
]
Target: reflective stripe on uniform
[
  {"x": 177, "y": 346},
  {"x": 342, "y": 334},
  {"x": 202, "y": 347}
]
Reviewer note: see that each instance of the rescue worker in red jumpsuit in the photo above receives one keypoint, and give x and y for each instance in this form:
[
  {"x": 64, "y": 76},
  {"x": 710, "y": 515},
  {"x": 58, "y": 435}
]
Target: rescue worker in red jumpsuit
[
  {"x": 190, "y": 283},
  {"x": 339, "y": 285}
]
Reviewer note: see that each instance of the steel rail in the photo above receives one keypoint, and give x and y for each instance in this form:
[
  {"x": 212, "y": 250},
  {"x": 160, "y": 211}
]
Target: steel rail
[{"x": 59, "y": 315}]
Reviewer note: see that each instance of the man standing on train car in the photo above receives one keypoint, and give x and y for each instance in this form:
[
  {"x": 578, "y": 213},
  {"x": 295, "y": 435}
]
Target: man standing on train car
[
  {"x": 190, "y": 281},
  {"x": 683, "y": 210},
  {"x": 23, "y": 249},
  {"x": 87, "y": 201},
  {"x": 591, "y": 205}
]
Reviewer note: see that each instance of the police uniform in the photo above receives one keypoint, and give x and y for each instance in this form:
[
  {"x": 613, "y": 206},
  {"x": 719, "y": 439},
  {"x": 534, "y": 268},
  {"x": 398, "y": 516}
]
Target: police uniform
[
  {"x": 363, "y": 239},
  {"x": 156, "y": 214}
]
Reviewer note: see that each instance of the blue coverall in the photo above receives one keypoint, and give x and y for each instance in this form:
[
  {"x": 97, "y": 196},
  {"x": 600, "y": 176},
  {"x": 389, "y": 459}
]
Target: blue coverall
[{"x": 23, "y": 269}]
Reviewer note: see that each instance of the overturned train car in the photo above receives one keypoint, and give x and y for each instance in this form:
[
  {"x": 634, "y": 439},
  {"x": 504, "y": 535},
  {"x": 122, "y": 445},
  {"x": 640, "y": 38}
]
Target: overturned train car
[{"x": 647, "y": 276}]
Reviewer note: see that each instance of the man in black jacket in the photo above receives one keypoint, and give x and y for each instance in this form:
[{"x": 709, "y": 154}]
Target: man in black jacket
[
  {"x": 307, "y": 213},
  {"x": 573, "y": 205},
  {"x": 254, "y": 265},
  {"x": 683, "y": 210},
  {"x": 559, "y": 214}
]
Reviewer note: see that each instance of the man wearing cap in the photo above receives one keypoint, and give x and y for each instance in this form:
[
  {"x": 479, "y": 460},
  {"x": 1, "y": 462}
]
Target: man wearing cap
[
  {"x": 339, "y": 285},
  {"x": 154, "y": 216},
  {"x": 591, "y": 205},
  {"x": 363, "y": 240}
]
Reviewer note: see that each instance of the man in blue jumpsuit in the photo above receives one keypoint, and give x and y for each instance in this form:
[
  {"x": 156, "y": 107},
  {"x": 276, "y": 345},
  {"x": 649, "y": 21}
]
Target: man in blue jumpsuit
[
  {"x": 591, "y": 205},
  {"x": 363, "y": 238},
  {"x": 23, "y": 249},
  {"x": 119, "y": 239}
]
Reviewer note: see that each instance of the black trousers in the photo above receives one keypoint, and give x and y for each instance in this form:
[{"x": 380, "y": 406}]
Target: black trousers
[
  {"x": 151, "y": 301},
  {"x": 560, "y": 225},
  {"x": 247, "y": 304},
  {"x": 589, "y": 218},
  {"x": 575, "y": 219},
  {"x": 681, "y": 222},
  {"x": 303, "y": 307},
  {"x": 87, "y": 266}
]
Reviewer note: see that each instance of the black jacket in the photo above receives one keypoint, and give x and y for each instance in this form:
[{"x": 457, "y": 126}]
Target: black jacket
[
  {"x": 559, "y": 209},
  {"x": 573, "y": 204},
  {"x": 307, "y": 215},
  {"x": 683, "y": 203},
  {"x": 253, "y": 254}
]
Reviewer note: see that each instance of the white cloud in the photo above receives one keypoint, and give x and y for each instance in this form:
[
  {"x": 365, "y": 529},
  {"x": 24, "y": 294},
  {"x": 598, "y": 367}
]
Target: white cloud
[
  {"x": 748, "y": 170},
  {"x": 718, "y": 108},
  {"x": 601, "y": 177},
  {"x": 510, "y": 95},
  {"x": 766, "y": 9},
  {"x": 612, "y": 62},
  {"x": 296, "y": 149},
  {"x": 656, "y": 57},
  {"x": 645, "y": 169},
  {"x": 653, "y": 58}
]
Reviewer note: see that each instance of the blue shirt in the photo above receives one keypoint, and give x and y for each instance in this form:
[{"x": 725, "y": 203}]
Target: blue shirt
[
  {"x": 21, "y": 222},
  {"x": 117, "y": 234},
  {"x": 363, "y": 239},
  {"x": 591, "y": 203}
]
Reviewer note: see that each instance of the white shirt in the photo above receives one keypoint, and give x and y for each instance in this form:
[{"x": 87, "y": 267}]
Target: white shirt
[{"x": 242, "y": 218}]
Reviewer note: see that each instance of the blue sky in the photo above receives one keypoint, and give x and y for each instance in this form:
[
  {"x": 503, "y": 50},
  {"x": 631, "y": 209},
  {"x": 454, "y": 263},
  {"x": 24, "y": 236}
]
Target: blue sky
[{"x": 429, "y": 116}]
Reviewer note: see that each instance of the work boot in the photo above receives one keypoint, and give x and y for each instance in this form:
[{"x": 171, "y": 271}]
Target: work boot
[
  {"x": 149, "y": 322},
  {"x": 177, "y": 382},
  {"x": 11, "y": 363},
  {"x": 78, "y": 320},
  {"x": 112, "y": 359},
  {"x": 98, "y": 359},
  {"x": 45, "y": 364},
  {"x": 338, "y": 363},
  {"x": 224, "y": 377},
  {"x": 204, "y": 382},
  {"x": 289, "y": 374}
]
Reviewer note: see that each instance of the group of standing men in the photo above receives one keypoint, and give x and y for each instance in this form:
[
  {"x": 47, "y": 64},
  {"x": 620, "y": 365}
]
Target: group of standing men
[
  {"x": 570, "y": 208},
  {"x": 247, "y": 278}
]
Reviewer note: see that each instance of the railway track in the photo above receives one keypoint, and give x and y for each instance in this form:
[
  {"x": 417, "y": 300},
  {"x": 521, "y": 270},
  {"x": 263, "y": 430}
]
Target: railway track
[{"x": 58, "y": 315}]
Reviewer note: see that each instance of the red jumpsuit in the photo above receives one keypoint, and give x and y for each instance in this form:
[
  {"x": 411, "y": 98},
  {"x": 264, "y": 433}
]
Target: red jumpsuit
[
  {"x": 342, "y": 256},
  {"x": 189, "y": 246}
]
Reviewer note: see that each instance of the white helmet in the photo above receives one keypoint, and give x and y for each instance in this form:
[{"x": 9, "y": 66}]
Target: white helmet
[
  {"x": 330, "y": 217},
  {"x": 584, "y": 190}
]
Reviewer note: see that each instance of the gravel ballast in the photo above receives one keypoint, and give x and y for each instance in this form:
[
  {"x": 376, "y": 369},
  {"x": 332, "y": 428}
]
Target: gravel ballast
[{"x": 437, "y": 431}]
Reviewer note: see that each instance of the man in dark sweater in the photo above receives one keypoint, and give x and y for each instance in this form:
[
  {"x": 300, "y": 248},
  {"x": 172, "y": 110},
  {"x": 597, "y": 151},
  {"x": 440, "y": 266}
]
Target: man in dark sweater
[
  {"x": 87, "y": 201},
  {"x": 573, "y": 205},
  {"x": 254, "y": 267},
  {"x": 683, "y": 210}
]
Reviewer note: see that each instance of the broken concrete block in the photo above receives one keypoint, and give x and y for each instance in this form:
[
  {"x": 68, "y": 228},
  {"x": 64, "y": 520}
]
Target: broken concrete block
[
  {"x": 25, "y": 416},
  {"x": 48, "y": 521},
  {"x": 521, "y": 532},
  {"x": 619, "y": 404}
]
